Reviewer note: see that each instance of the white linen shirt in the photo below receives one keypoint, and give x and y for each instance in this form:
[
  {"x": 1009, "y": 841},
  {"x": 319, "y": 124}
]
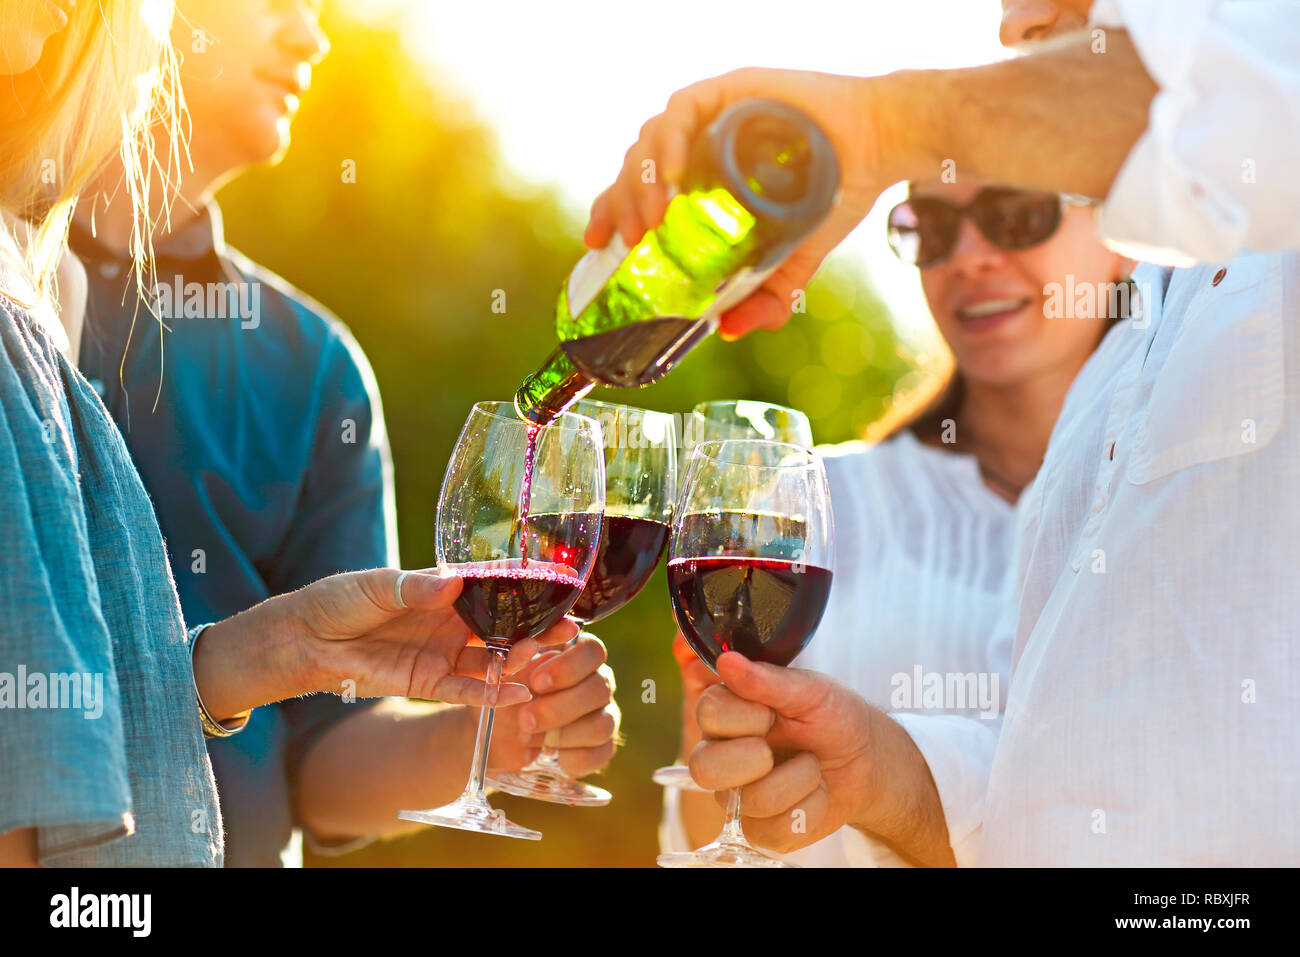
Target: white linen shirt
[
  {"x": 1153, "y": 715},
  {"x": 923, "y": 572},
  {"x": 1215, "y": 172}
]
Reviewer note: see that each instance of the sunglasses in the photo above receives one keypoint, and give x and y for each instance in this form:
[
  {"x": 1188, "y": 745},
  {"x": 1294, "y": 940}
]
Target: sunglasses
[{"x": 923, "y": 229}]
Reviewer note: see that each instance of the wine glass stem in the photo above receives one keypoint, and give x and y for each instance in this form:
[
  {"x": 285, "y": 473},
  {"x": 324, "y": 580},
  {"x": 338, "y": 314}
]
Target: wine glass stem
[
  {"x": 549, "y": 758},
  {"x": 731, "y": 831},
  {"x": 486, "y": 715}
]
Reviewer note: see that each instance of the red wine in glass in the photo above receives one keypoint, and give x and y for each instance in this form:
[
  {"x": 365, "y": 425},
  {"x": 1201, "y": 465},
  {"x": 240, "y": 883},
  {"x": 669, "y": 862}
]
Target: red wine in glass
[
  {"x": 764, "y": 608},
  {"x": 513, "y": 603},
  {"x": 630, "y": 548}
]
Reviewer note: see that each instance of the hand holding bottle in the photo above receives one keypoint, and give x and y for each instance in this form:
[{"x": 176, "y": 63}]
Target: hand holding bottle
[
  {"x": 761, "y": 178},
  {"x": 841, "y": 105}
]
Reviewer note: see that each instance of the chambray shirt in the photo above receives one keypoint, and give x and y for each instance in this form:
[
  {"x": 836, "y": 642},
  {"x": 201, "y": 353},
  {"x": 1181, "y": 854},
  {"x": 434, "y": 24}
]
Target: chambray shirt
[
  {"x": 85, "y": 590},
  {"x": 268, "y": 464}
]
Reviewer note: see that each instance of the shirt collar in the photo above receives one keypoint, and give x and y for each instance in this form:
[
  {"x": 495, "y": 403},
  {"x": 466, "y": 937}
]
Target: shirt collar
[{"x": 198, "y": 248}]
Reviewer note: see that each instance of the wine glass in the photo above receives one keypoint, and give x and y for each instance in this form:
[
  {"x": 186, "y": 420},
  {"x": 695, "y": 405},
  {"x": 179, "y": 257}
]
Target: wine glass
[
  {"x": 506, "y": 480},
  {"x": 735, "y": 419},
  {"x": 640, "y": 485},
  {"x": 749, "y": 570}
]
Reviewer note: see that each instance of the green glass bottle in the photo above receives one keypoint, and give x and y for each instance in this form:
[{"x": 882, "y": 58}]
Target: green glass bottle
[{"x": 761, "y": 177}]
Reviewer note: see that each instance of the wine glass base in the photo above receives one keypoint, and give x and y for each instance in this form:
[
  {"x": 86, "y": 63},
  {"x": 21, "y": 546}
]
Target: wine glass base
[
  {"x": 472, "y": 816},
  {"x": 721, "y": 854},
  {"x": 555, "y": 787},
  {"x": 677, "y": 776}
]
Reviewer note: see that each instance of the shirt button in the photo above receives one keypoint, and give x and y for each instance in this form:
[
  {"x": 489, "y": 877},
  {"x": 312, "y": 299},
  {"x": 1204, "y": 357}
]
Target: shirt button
[
  {"x": 1218, "y": 277},
  {"x": 109, "y": 270}
]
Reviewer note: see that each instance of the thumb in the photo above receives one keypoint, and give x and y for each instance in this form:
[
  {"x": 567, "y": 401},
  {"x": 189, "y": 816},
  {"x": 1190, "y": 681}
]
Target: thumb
[
  {"x": 428, "y": 589},
  {"x": 791, "y": 692}
]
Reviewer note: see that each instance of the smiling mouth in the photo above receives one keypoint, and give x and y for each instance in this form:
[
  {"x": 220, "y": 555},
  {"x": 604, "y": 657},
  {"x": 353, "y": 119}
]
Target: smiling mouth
[
  {"x": 284, "y": 89},
  {"x": 991, "y": 307}
]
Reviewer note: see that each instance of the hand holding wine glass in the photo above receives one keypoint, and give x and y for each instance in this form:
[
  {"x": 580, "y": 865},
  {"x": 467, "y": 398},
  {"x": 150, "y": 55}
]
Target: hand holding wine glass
[
  {"x": 823, "y": 729},
  {"x": 573, "y": 704},
  {"x": 378, "y": 632},
  {"x": 849, "y": 763},
  {"x": 712, "y": 421},
  {"x": 749, "y": 571}
]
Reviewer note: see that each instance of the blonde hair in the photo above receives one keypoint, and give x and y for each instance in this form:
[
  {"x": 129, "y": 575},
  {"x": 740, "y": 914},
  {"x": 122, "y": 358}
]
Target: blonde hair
[{"x": 105, "y": 80}]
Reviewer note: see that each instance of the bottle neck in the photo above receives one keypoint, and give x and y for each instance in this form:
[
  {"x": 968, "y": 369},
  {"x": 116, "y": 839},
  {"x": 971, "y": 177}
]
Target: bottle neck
[{"x": 551, "y": 389}]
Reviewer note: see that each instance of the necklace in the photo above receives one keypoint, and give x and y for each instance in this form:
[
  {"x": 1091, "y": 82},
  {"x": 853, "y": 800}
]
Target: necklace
[
  {"x": 990, "y": 475},
  {"x": 1014, "y": 488}
]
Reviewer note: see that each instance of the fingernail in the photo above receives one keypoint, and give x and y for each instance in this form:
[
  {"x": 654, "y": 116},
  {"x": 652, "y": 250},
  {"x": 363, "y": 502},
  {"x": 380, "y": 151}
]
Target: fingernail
[
  {"x": 436, "y": 579},
  {"x": 543, "y": 681},
  {"x": 527, "y": 723}
]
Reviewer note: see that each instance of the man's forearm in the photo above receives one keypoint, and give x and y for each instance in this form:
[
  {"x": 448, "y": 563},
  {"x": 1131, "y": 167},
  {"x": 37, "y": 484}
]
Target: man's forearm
[
  {"x": 1062, "y": 119},
  {"x": 901, "y": 805},
  {"x": 369, "y": 766}
]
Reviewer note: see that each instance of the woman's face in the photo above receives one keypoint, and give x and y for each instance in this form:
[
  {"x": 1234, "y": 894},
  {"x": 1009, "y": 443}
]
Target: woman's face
[
  {"x": 1010, "y": 315},
  {"x": 25, "y": 25}
]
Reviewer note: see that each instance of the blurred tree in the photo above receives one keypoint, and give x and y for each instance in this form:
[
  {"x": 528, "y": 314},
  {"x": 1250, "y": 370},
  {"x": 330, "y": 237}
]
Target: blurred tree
[{"x": 394, "y": 209}]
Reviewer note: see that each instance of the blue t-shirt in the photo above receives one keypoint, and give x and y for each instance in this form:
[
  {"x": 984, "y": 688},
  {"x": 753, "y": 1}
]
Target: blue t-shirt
[
  {"x": 267, "y": 460},
  {"x": 101, "y": 749}
]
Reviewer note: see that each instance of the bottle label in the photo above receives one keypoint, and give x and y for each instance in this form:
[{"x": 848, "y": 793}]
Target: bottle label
[{"x": 592, "y": 272}]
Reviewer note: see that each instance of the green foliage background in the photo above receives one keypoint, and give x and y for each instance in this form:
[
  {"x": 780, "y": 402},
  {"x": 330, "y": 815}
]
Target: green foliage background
[{"x": 408, "y": 256}]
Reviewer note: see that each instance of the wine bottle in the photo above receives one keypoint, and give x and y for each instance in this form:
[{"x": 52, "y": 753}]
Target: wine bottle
[{"x": 760, "y": 178}]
